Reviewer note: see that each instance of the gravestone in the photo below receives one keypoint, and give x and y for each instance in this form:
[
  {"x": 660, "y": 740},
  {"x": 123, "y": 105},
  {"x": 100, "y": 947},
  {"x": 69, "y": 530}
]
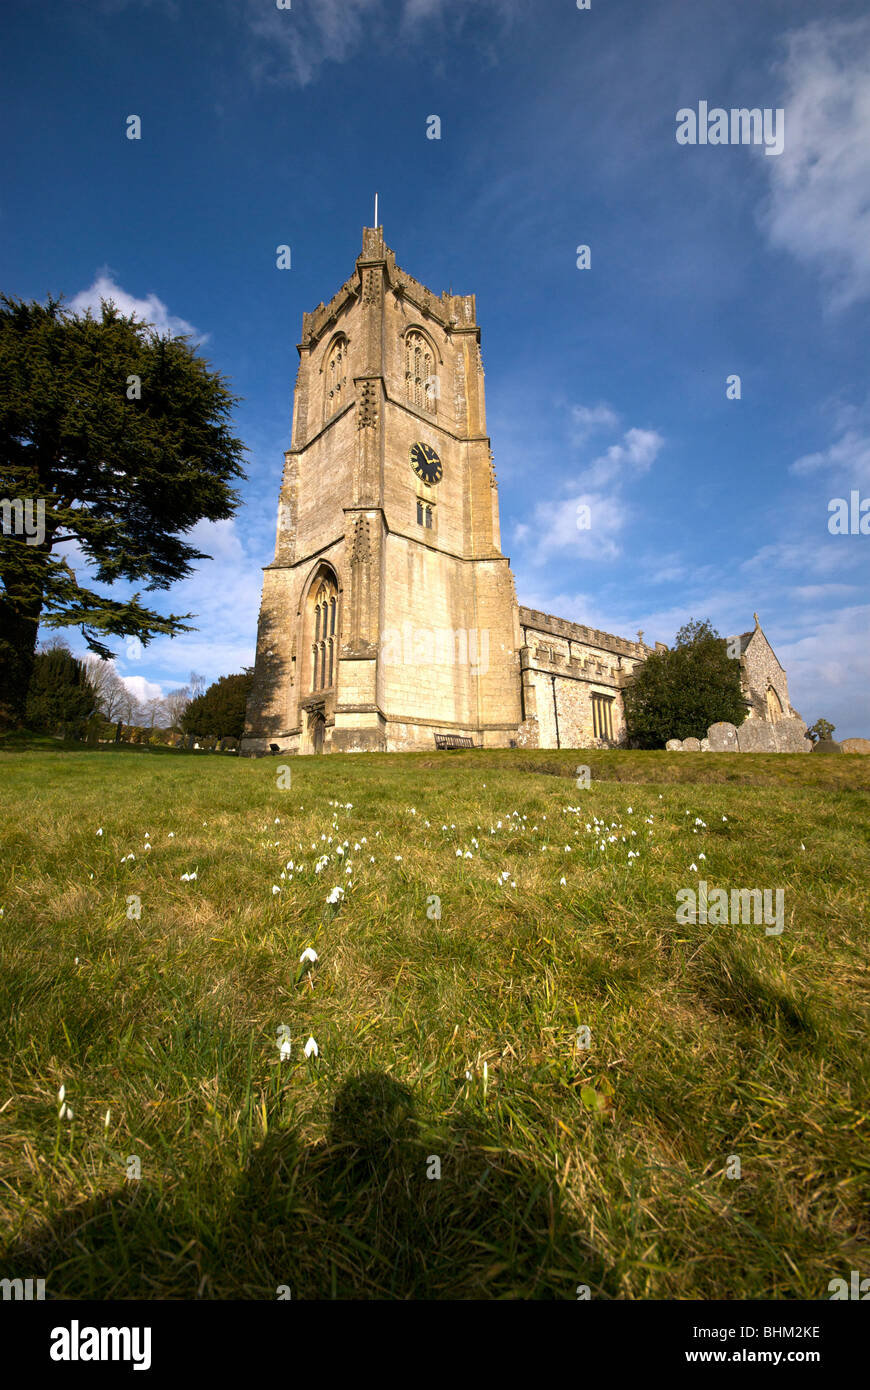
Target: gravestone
[
  {"x": 722, "y": 738},
  {"x": 856, "y": 745},
  {"x": 674, "y": 745},
  {"x": 691, "y": 745},
  {"x": 705, "y": 745},
  {"x": 756, "y": 736},
  {"x": 790, "y": 736}
]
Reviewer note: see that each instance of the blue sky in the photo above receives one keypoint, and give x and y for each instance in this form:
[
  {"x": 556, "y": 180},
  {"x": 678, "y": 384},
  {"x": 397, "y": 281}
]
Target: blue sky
[{"x": 608, "y": 385}]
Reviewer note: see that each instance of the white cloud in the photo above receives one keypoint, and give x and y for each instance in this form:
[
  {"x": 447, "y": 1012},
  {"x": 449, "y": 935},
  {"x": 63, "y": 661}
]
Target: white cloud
[
  {"x": 848, "y": 458},
  {"x": 151, "y": 309},
  {"x": 587, "y": 419},
  {"x": 142, "y": 689},
  {"x": 819, "y": 205}
]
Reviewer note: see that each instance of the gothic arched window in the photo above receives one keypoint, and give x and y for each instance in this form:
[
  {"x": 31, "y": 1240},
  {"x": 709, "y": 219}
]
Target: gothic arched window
[
  {"x": 335, "y": 379},
  {"x": 419, "y": 371},
  {"x": 323, "y": 646}
]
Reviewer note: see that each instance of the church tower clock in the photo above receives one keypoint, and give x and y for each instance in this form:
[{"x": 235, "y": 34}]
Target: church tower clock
[{"x": 389, "y": 612}]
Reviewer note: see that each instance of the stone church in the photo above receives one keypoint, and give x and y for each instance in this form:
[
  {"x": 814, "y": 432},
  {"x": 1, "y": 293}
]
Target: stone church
[{"x": 389, "y": 615}]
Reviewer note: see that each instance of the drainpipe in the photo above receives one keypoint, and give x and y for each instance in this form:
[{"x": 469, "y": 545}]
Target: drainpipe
[{"x": 556, "y": 711}]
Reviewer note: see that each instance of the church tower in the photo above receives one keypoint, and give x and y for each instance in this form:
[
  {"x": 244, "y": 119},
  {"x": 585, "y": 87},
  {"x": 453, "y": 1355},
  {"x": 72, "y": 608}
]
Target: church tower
[{"x": 389, "y": 612}]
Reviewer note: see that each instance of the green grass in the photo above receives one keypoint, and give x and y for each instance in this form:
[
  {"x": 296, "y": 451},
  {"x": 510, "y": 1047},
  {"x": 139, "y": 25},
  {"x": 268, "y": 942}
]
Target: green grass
[{"x": 453, "y": 1037}]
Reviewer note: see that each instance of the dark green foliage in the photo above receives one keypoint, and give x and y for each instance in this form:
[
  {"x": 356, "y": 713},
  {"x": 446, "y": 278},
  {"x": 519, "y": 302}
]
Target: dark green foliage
[
  {"x": 221, "y": 710},
  {"x": 123, "y": 478},
  {"x": 679, "y": 693},
  {"x": 822, "y": 729},
  {"x": 61, "y": 698}
]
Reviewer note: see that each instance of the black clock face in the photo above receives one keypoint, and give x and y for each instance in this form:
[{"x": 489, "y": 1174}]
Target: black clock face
[{"x": 426, "y": 463}]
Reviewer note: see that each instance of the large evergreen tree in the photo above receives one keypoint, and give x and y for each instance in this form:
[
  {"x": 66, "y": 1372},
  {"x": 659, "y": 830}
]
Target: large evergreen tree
[
  {"x": 678, "y": 693},
  {"x": 124, "y": 436},
  {"x": 62, "y": 696},
  {"x": 220, "y": 711}
]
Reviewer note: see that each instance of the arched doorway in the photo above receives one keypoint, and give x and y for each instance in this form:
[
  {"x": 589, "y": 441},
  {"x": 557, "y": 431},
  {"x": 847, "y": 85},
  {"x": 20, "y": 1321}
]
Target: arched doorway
[
  {"x": 317, "y": 733},
  {"x": 774, "y": 704}
]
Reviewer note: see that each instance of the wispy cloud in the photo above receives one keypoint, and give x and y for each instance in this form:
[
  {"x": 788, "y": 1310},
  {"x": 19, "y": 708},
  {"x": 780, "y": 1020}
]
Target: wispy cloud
[
  {"x": 292, "y": 45},
  {"x": 819, "y": 205},
  {"x": 151, "y": 308}
]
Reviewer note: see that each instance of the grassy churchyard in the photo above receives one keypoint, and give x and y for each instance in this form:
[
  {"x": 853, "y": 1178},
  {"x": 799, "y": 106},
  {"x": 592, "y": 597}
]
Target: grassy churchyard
[{"x": 529, "y": 1077}]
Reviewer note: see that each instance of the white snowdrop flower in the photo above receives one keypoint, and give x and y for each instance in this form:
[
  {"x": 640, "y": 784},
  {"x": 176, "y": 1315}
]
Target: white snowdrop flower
[
  {"x": 147, "y": 834},
  {"x": 323, "y": 837},
  {"x": 285, "y": 1050},
  {"x": 452, "y": 826},
  {"x": 100, "y": 831},
  {"x": 339, "y": 850},
  {"x": 444, "y": 827},
  {"x": 308, "y": 954},
  {"x": 90, "y": 875},
  {"x": 398, "y": 858},
  {"x": 513, "y": 885},
  {"x": 349, "y": 869},
  {"x": 803, "y": 846},
  {"x": 567, "y": 849},
  {"x": 693, "y": 868},
  {"x": 660, "y": 796},
  {"x": 75, "y": 962},
  {"x": 371, "y": 859},
  {"x": 702, "y": 856},
  {"x": 459, "y": 854},
  {"x": 724, "y": 817},
  {"x": 336, "y": 895},
  {"x": 106, "y": 1118},
  {"x": 563, "y": 883},
  {"x": 311, "y": 1049},
  {"x": 204, "y": 824},
  {"x": 468, "y": 1076},
  {"x": 275, "y": 889},
  {"x": 277, "y": 820},
  {"x": 171, "y": 835},
  {"x": 188, "y": 878},
  {"x": 363, "y": 841},
  {"x": 66, "y": 1112},
  {"x": 468, "y": 854},
  {"x": 629, "y": 810},
  {"x": 356, "y": 848},
  {"x": 61, "y": 1093}
]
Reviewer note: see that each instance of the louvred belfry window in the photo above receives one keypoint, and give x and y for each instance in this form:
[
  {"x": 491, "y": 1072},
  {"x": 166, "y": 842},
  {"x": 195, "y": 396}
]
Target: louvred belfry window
[
  {"x": 419, "y": 371},
  {"x": 335, "y": 387}
]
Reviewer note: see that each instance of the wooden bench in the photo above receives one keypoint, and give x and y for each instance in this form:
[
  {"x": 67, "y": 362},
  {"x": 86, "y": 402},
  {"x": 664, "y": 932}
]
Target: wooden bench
[{"x": 453, "y": 741}]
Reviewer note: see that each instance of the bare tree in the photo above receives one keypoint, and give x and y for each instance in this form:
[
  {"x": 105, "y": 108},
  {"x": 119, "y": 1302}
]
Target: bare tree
[
  {"x": 176, "y": 703},
  {"x": 197, "y": 685},
  {"x": 112, "y": 693}
]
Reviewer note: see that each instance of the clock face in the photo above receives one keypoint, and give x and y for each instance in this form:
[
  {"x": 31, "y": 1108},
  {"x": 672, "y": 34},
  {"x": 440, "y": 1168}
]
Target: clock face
[{"x": 426, "y": 463}]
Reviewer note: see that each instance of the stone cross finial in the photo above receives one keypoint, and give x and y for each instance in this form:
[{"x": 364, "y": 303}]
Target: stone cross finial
[
  {"x": 757, "y": 623},
  {"x": 640, "y": 635}
]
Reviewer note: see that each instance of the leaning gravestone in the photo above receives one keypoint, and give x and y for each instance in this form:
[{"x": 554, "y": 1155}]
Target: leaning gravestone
[
  {"x": 856, "y": 745},
  {"x": 790, "y": 736},
  {"x": 691, "y": 745},
  {"x": 674, "y": 745},
  {"x": 722, "y": 738},
  {"x": 756, "y": 736}
]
